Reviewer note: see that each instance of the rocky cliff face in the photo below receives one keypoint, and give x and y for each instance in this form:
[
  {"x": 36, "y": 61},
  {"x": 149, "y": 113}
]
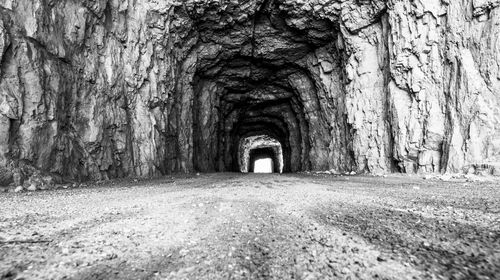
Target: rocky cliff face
[{"x": 111, "y": 88}]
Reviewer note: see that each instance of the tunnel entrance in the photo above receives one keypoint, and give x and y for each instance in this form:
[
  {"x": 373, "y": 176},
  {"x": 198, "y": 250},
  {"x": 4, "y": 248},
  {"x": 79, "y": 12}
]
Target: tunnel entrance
[
  {"x": 262, "y": 72},
  {"x": 265, "y": 145}
]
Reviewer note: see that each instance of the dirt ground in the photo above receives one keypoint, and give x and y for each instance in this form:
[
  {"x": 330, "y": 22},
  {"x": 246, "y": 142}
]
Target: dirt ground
[{"x": 254, "y": 226}]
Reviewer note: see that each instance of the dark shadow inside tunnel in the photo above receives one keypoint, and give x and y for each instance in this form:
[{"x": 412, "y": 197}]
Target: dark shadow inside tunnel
[{"x": 258, "y": 77}]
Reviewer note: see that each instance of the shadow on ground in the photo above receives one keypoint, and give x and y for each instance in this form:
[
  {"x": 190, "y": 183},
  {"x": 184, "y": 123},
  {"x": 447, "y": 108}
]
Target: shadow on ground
[{"x": 435, "y": 245}]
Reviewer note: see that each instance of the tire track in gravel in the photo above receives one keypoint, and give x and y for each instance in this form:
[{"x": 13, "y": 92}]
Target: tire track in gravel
[{"x": 233, "y": 226}]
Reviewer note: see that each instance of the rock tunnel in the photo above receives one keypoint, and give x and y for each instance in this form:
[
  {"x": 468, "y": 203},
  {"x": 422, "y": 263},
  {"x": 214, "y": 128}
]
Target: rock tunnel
[
  {"x": 254, "y": 77},
  {"x": 102, "y": 89}
]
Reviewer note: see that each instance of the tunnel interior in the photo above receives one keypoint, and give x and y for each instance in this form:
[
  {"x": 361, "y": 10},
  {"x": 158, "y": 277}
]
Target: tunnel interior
[{"x": 257, "y": 75}]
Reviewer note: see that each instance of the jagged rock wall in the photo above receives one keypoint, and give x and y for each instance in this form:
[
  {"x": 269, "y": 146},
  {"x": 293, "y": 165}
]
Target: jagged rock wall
[
  {"x": 108, "y": 88},
  {"x": 445, "y": 85}
]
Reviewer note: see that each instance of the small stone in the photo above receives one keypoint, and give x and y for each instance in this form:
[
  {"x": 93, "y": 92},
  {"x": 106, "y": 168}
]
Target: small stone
[
  {"x": 345, "y": 270},
  {"x": 381, "y": 258},
  {"x": 446, "y": 177},
  {"x": 111, "y": 256},
  {"x": 47, "y": 180},
  {"x": 495, "y": 171},
  {"x": 32, "y": 188},
  {"x": 470, "y": 170},
  {"x": 334, "y": 172},
  {"x": 18, "y": 189}
]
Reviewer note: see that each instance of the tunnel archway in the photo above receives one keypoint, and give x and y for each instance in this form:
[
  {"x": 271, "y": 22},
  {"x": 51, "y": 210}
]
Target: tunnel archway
[
  {"x": 268, "y": 130},
  {"x": 251, "y": 144},
  {"x": 262, "y": 75}
]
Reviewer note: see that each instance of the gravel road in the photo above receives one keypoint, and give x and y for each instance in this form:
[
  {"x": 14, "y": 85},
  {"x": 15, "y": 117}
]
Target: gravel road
[{"x": 254, "y": 226}]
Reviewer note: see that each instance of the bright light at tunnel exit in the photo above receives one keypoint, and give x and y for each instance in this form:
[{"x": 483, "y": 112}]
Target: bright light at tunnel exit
[{"x": 264, "y": 165}]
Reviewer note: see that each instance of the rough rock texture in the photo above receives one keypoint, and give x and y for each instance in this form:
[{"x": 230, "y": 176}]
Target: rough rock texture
[
  {"x": 261, "y": 142},
  {"x": 106, "y": 88}
]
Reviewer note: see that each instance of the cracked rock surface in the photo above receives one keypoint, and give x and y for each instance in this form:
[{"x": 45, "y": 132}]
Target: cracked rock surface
[{"x": 102, "y": 89}]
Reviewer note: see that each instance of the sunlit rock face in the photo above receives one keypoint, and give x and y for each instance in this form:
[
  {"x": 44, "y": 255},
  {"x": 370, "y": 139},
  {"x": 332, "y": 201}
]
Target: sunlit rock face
[{"x": 107, "y": 88}]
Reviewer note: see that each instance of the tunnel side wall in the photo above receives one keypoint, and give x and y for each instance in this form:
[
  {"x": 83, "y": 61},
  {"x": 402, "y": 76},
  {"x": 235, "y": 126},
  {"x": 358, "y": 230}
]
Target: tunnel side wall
[{"x": 102, "y": 89}]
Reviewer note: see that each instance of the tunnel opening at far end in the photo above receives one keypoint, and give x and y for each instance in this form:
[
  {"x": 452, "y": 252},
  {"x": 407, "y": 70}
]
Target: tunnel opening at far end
[
  {"x": 260, "y": 154},
  {"x": 263, "y": 165},
  {"x": 263, "y": 160}
]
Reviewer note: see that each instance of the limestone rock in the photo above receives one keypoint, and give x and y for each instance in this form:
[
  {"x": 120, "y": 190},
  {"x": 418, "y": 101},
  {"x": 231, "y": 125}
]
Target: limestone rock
[{"x": 102, "y": 89}]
